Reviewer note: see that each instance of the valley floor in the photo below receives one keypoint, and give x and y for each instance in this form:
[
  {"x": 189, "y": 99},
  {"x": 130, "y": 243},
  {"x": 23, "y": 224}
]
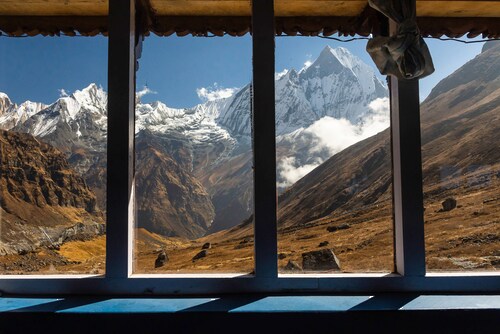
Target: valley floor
[{"x": 462, "y": 239}]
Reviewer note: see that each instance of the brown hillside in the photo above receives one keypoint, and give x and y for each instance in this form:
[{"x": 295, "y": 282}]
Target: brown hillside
[
  {"x": 170, "y": 200},
  {"x": 461, "y": 159},
  {"x": 231, "y": 189},
  {"x": 43, "y": 201}
]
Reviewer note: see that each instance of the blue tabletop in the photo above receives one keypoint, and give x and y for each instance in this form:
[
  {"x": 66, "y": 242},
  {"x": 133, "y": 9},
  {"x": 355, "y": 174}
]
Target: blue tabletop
[{"x": 235, "y": 304}]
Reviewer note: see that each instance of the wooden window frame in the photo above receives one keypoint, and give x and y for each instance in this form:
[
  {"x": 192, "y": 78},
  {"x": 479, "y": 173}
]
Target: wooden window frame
[{"x": 409, "y": 275}]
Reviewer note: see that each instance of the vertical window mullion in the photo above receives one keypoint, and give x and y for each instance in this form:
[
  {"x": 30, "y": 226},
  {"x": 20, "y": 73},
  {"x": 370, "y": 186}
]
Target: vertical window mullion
[
  {"x": 120, "y": 156},
  {"x": 409, "y": 243},
  {"x": 407, "y": 178},
  {"x": 263, "y": 105}
]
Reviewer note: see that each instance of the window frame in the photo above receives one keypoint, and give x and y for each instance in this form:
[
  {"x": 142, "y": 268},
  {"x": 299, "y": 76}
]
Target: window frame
[{"x": 410, "y": 272}]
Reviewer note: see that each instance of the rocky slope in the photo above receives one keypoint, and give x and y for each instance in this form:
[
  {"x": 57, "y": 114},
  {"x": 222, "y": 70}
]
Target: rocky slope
[
  {"x": 43, "y": 201},
  {"x": 170, "y": 200},
  {"x": 357, "y": 177}
]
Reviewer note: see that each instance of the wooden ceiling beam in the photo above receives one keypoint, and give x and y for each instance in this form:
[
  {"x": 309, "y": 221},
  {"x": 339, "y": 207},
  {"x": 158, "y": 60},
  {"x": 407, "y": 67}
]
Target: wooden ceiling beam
[
  {"x": 283, "y": 8},
  {"x": 310, "y": 17},
  {"x": 54, "y": 7},
  {"x": 449, "y": 8}
]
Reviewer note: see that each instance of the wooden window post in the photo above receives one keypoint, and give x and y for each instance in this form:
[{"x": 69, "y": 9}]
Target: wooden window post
[
  {"x": 120, "y": 153},
  {"x": 407, "y": 178},
  {"x": 264, "y": 139}
]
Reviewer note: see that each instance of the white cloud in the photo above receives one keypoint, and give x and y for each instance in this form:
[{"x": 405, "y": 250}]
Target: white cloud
[
  {"x": 144, "y": 91},
  {"x": 63, "y": 93},
  {"x": 290, "y": 173},
  {"x": 332, "y": 135},
  {"x": 379, "y": 120},
  {"x": 338, "y": 134},
  {"x": 281, "y": 74},
  {"x": 215, "y": 92},
  {"x": 380, "y": 106}
]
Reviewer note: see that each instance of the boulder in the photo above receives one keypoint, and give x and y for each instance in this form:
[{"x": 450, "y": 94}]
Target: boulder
[
  {"x": 323, "y": 244},
  {"x": 206, "y": 245},
  {"x": 449, "y": 204},
  {"x": 339, "y": 227},
  {"x": 320, "y": 260},
  {"x": 200, "y": 255},
  {"x": 246, "y": 240},
  {"x": 161, "y": 259},
  {"x": 292, "y": 266}
]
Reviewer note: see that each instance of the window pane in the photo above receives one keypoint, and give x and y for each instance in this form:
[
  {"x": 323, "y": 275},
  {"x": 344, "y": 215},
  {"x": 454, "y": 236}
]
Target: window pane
[
  {"x": 460, "y": 120},
  {"x": 53, "y": 121},
  {"x": 194, "y": 181},
  {"x": 333, "y": 159}
]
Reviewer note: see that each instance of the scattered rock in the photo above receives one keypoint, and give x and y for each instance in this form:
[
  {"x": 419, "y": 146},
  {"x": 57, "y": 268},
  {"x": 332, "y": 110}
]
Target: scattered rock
[
  {"x": 323, "y": 259},
  {"x": 161, "y": 259},
  {"x": 34, "y": 262},
  {"x": 246, "y": 240},
  {"x": 54, "y": 246},
  {"x": 292, "y": 266},
  {"x": 490, "y": 200},
  {"x": 306, "y": 237},
  {"x": 336, "y": 228},
  {"x": 206, "y": 245},
  {"x": 480, "y": 213},
  {"x": 480, "y": 239},
  {"x": 81, "y": 232},
  {"x": 448, "y": 204},
  {"x": 200, "y": 255},
  {"x": 22, "y": 252},
  {"x": 323, "y": 244},
  {"x": 281, "y": 256}
]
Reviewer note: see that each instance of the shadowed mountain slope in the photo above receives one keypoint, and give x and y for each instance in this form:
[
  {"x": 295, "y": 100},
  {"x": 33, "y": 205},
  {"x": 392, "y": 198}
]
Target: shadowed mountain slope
[{"x": 460, "y": 136}]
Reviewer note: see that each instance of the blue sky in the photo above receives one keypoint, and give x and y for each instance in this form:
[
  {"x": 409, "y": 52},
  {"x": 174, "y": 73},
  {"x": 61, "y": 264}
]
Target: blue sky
[{"x": 175, "y": 69}]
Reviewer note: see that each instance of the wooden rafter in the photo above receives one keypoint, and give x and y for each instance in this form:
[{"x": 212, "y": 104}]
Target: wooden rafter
[{"x": 205, "y": 17}]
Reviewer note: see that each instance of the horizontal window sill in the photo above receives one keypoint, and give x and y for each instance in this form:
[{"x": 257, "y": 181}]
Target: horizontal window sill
[
  {"x": 379, "y": 313},
  {"x": 249, "y": 303}
]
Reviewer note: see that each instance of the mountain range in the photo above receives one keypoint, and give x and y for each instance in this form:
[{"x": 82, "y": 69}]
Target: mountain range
[
  {"x": 194, "y": 170},
  {"x": 197, "y": 161}
]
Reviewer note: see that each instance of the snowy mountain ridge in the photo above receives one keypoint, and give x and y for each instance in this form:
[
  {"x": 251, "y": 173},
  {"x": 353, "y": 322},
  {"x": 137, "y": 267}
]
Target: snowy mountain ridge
[
  {"x": 337, "y": 84},
  {"x": 12, "y": 114}
]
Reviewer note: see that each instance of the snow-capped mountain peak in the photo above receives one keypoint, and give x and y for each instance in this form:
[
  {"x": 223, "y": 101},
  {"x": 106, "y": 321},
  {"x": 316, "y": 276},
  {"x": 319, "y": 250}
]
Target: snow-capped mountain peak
[
  {"x": 11, "y": 114},
  {"x": 91, "y": 95},
  {"x": 29, "y": 108},
  {"x": 346, "y": 58},
  {"x": 325, "y": 65},
  {"x": 5, "y": 103}
]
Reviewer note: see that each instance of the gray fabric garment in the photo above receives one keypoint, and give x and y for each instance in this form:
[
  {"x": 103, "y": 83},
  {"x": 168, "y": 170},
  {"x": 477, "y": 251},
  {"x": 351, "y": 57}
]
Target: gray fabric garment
[{"x": 404, "y": 55}]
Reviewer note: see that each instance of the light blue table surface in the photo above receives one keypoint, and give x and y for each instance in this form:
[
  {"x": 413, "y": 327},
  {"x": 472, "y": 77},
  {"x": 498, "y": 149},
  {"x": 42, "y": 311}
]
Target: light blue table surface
[{"x": 241, "y": 304}]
